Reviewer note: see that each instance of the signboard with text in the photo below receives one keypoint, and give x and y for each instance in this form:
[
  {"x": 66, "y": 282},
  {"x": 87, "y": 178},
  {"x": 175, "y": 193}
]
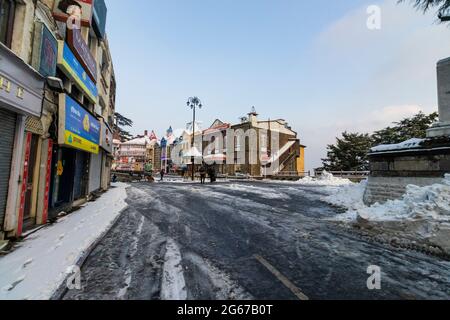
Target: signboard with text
[
  {"x": 106, "y": 137},
  {"x": 73, "y": 69},
  {"x": 77, "y": 127},
  {"x": 81, "y": 50},
  {"x": 45, "y": 52}
]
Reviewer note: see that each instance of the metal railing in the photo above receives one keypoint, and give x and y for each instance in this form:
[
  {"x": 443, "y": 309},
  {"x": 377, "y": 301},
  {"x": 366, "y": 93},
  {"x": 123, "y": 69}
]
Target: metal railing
[{"x": 344, "y": 174}]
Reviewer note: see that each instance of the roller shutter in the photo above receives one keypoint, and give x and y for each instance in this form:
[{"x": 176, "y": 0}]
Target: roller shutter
[{"x": 7, "y": 131}]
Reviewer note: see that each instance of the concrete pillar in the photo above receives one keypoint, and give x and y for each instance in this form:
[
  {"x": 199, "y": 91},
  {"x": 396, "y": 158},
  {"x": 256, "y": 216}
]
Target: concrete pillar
[
  {"x": 443, "y": 76},
  {"x": 443, "y": 73}
]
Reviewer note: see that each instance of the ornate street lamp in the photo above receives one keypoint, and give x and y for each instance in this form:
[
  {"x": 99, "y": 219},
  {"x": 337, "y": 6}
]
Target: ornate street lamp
[{"x": 193, "y": 103}]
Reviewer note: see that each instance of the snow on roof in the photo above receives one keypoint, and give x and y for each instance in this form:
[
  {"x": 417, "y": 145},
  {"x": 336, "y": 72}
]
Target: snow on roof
[
  {"x": 409, "y": 144},
  {"x": 138, "y": 141}
]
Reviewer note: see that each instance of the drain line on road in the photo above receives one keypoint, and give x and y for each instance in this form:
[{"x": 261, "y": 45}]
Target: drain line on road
[{"x": 288, "y": 284}]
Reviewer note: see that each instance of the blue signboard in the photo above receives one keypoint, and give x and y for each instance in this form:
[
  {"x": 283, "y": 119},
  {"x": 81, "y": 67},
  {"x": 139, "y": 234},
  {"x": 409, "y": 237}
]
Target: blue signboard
[
  {"x": 99, "y": 15},
  {"x": 49, "y": 53},
  {"x": 82, "y": 130},
  {"x": 75, "y": 71}
]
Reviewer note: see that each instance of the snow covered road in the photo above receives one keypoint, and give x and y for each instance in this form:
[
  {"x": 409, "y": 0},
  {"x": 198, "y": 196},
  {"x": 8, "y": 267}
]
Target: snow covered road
[{"x": 246, "y": 240}]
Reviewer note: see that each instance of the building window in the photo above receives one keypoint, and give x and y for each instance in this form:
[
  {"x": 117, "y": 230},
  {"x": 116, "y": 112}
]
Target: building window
[{"x": 7, "y": 8}]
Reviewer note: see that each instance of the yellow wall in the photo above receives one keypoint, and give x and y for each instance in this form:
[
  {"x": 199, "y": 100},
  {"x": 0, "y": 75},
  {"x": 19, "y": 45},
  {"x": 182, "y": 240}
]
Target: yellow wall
[{"x": 301, "y": 161}]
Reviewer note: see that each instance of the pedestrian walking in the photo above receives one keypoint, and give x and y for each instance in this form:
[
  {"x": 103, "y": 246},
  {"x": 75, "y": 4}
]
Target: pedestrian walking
[
  {"x": 212, "y": 174},
  {"x": 202, "y": 174},
  {"x": 162, "y": 172}
]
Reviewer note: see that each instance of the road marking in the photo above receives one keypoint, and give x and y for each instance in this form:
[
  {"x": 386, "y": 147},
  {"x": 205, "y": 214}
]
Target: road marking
[{"x": 282, "y": 278}]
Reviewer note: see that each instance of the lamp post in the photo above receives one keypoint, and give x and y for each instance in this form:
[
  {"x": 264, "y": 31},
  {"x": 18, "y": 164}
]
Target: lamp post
[{"x": 193, "y": 103}]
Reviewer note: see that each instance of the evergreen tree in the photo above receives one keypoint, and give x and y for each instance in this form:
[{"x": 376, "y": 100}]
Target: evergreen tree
[
  {"x": 415, "y": 127},
  {"x": 121, "y": 123},
  {"x": 442, "y": 6},
  {"x": 349, "y": 153}
]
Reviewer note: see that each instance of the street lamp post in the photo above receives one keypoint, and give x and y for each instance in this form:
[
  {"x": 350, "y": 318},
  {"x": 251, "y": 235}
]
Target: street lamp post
[{"x": 193, "y": 103}]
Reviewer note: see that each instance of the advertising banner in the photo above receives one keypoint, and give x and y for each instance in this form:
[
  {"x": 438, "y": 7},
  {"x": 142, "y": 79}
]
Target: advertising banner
[{"x": 77, "y": 127}]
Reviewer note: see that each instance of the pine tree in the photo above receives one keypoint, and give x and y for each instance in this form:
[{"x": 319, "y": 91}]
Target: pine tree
[
  {"x": 349, "y": 153},
  {"x": 121, "y": 123},
  {"x": 415, "y": 127},
  {"x": 425, "y": 5}
]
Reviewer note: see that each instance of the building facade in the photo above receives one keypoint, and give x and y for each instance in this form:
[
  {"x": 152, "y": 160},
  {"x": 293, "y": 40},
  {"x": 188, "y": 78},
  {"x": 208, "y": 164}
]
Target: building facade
[{"x": 58, "y": 147}]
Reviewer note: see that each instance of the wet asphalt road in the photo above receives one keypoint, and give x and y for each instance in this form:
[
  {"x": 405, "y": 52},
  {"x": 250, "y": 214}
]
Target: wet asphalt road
[{"x": 246, "y": 241}]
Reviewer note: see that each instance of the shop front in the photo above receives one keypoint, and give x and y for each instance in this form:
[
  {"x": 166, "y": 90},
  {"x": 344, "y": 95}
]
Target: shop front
[
  {"x": 78, "y": 141},
  {"x": 106, "y": 144},
  {"x": 21, "y": 92}
]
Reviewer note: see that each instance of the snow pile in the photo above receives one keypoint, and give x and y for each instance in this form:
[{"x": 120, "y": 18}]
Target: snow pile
[
  {"x": 36, "y": 269},
  {"x": 350, "y": 197},
  {"x": 419, "y": 203},
  {"x": 409, "y": 144},
  {"x": 422, "y": 215},
  {"x": 326, "y": 179}
]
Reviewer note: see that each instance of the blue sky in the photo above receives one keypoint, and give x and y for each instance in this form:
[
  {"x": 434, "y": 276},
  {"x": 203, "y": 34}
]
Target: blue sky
[{"x": 313, "y": 63}]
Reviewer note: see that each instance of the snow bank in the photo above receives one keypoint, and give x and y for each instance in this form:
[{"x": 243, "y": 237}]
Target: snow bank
[
  {"x": 430, "y": 202},
  {"x": 409, "y": 144},
  {"x": 422, "y": 215},
  {"x": 38, "y": 267},
  {"x": 326, "y": 179}
]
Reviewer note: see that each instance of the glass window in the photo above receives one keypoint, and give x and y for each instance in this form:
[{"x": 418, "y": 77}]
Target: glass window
[{"x": 6, "y": 21}]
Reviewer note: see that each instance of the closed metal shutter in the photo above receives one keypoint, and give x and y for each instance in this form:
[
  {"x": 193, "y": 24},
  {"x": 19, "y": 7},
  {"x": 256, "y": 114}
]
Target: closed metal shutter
[
  {"x": 7, "y": 131},
  {"x": 95, "y": 172}
]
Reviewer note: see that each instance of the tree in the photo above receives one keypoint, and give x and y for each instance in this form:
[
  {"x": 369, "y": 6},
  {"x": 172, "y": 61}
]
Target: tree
[
  {"x": 121, "y": 123},
  {"x": 408, "y": 128},
  {"x": 349, "y": 153},
  {"x": 442, "y": 6}
]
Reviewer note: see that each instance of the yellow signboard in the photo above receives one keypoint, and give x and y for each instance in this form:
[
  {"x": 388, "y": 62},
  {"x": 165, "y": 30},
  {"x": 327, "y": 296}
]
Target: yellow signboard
[{"x": 80, "y": 143}]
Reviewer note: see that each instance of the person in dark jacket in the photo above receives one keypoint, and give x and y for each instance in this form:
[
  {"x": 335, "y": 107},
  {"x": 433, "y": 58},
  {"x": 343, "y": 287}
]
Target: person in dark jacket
[
  {"x": 202, "y": 174},
  {"x": 162, "y": 173},
  {"x": 212, "y": 174}
]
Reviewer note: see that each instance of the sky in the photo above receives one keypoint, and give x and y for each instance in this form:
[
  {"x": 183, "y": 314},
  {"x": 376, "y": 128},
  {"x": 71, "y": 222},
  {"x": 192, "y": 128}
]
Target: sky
[{"x": 315, "y": 64}]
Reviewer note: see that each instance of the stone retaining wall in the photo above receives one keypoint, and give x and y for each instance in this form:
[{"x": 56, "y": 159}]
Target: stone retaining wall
[{"x": 392, "y": 172}]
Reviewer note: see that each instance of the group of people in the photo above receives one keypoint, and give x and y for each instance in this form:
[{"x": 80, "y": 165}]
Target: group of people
[{"x": 207, "y": 170}]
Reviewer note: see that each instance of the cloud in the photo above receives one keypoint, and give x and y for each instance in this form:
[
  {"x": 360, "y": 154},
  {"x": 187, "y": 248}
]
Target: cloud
[{"x": 374, "y": 77}]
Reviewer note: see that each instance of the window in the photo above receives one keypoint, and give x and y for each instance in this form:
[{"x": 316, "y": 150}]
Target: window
[{"x": 7, "y": 8}]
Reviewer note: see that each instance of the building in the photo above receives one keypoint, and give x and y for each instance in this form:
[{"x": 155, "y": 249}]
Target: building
[
  {"x": 56, "y": 110},
  {"x": 262, "y": 148},
  {"x": 275, "y": 142},
  {"x": 133, "y": 154}
]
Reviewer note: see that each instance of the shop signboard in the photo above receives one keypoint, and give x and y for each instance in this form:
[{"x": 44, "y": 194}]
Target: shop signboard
[
  {"x": 77, "y": 127},
  {"x": 106, "y": 137},
  {"x": 82, "y": 52},
  {"x": 73, "y": 69},
  {"x": 21, "y": 88},
  {"x": 45, "y": 51}
]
